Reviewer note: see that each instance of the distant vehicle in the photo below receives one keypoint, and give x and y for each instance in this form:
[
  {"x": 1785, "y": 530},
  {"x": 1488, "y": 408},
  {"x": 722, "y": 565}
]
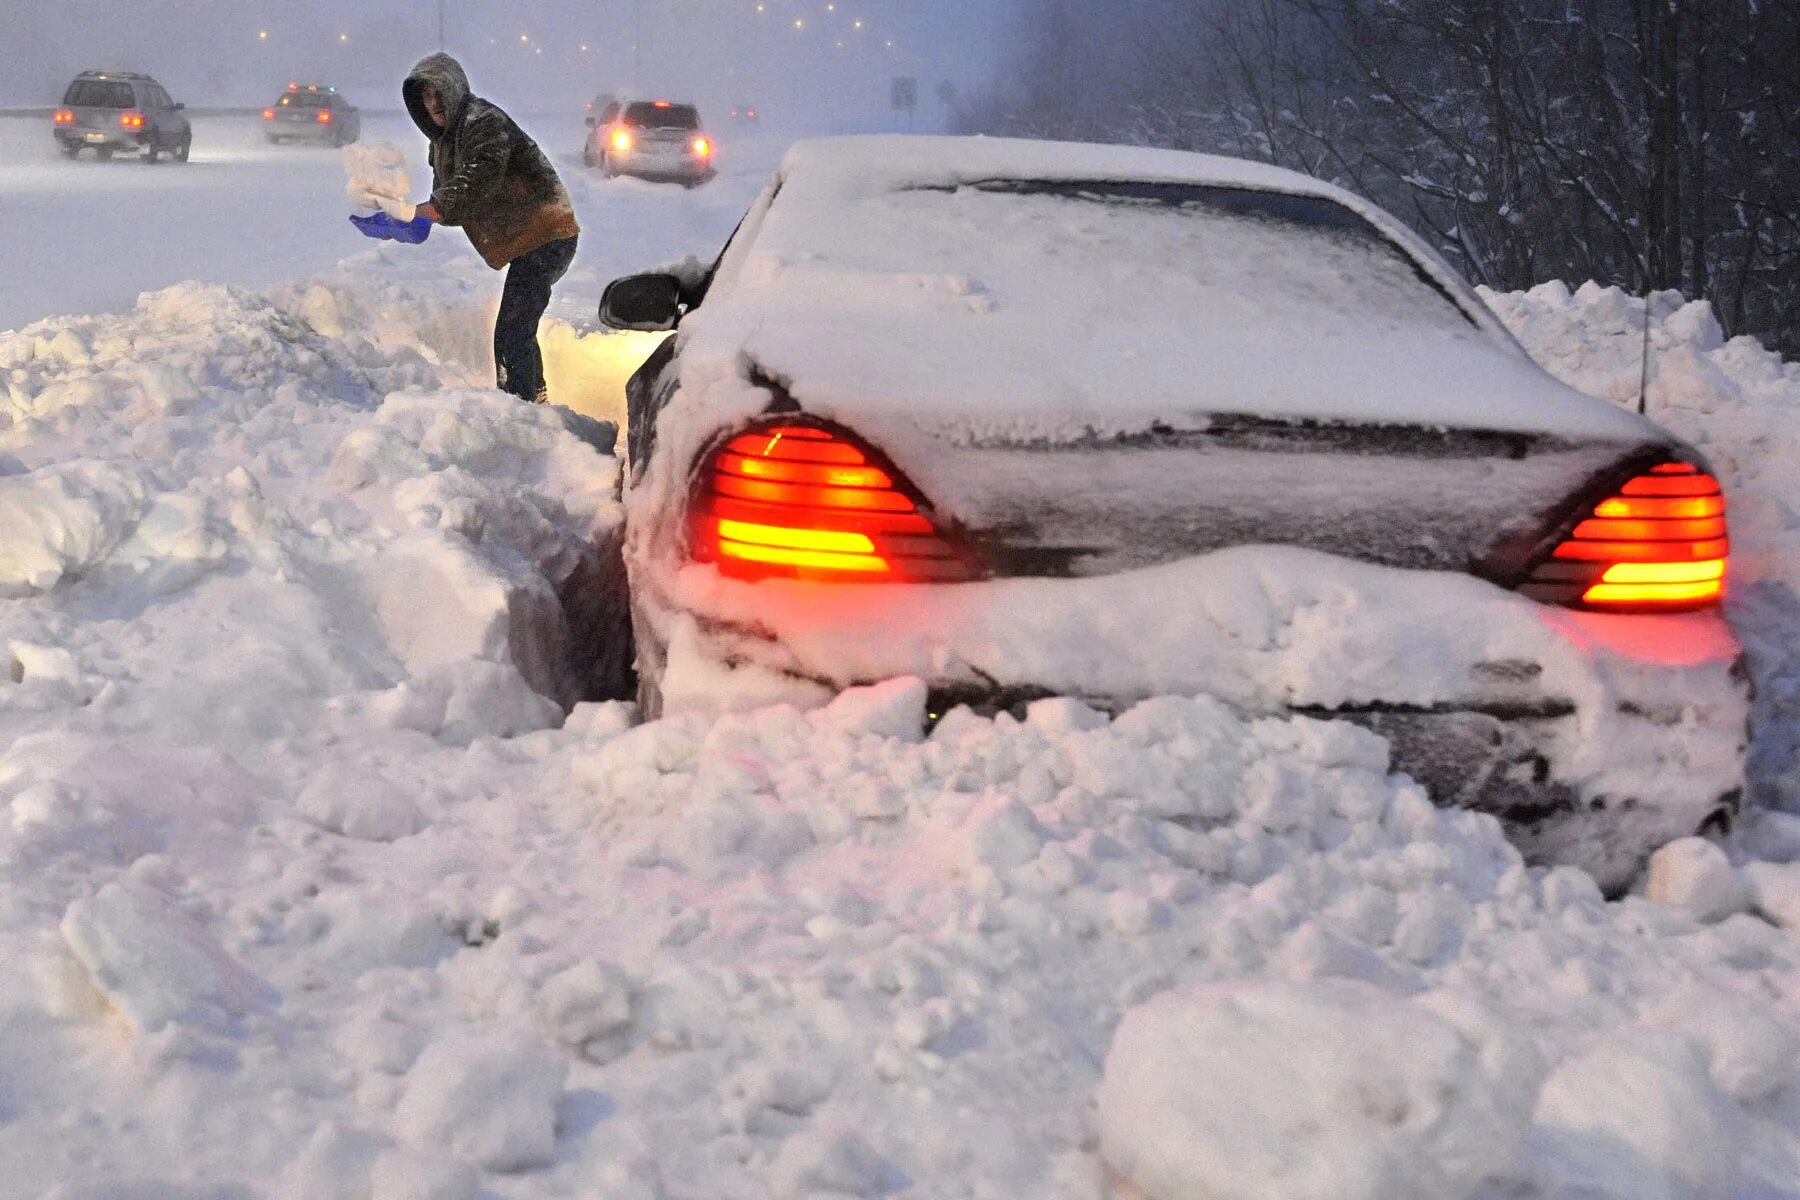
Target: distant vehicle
[
  {"x": 312, "y": 113},
  {"x": 121, "y": 112},
  {"x": 1195, "y": 407},
  {"x": 744, "y": 112},
  {"x": 600, "y": 103},
  {"x": 651, "y": 139}
]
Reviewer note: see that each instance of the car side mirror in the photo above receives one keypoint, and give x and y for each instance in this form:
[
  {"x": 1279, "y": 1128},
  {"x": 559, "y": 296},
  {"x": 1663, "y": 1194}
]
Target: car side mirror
[
  {"x": 591, "y": 122},
  {"x": 178, "y": 107},
  {"x": 651, "y": 303}
]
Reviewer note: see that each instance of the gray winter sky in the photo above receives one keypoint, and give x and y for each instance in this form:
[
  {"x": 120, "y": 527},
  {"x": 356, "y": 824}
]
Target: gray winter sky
[{"x": 833, "y": 56}]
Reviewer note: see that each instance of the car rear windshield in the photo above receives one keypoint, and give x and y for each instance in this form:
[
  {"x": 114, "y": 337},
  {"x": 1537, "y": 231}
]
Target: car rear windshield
[
  {"x": 305, "y": 100},
  {"x": 98, "y": 93},
  {"x": 654, "y": 116},
  {"x": 1312, "y": 252}
]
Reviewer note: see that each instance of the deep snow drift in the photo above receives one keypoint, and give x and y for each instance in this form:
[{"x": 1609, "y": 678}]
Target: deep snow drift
[{"x": 308, "y": 894}]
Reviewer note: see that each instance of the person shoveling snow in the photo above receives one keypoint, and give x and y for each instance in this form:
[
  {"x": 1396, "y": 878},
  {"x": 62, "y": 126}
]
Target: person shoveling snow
[{"x": 490, "y": 178}]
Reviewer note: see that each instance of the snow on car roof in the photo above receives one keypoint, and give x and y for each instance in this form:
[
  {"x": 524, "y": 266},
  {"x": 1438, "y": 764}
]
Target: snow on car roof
[{"x": 1002, "y": 288}]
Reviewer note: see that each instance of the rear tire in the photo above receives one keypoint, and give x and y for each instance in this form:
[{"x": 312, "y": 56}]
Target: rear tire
[
  {"x": 70, "y": 151},
  {"x": 182, "y": 150},
  {"x": 103, "y": 153},
  {"x": 150, "y": 154}
]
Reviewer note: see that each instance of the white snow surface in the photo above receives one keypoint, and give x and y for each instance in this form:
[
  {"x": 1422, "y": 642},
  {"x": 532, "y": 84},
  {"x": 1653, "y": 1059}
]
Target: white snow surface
[{"x": 309, "y": 890}]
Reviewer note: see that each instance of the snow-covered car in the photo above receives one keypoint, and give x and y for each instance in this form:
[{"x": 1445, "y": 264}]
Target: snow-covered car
[
  {"x": 312, "y": 113},
  {"x": 121, "y": 112},
  {"x": 651, "y": 139},
  {"x": 1026, "y": 419}
]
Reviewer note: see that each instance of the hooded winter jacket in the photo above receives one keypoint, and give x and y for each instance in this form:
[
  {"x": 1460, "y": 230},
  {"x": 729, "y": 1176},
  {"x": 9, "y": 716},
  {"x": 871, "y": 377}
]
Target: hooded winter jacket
[{"x": 487, "y": 176}]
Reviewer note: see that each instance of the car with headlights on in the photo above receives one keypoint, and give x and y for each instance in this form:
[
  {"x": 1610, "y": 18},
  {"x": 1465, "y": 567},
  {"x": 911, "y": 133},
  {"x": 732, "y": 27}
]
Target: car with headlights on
[
  {"x": 1023, "y": 419},
  {"x": 312, "y": 112},
  {"x": 651, "y": 139},
  {"x": 121, "y": 112}
]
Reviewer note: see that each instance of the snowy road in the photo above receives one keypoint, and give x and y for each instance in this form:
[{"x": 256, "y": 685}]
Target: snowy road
[{"x": 307, "y": 892}]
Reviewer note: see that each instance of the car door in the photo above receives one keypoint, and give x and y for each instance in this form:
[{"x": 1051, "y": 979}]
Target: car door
[
  {"x": 155, "y": 113},
  {"x": 166, "y": 122}
]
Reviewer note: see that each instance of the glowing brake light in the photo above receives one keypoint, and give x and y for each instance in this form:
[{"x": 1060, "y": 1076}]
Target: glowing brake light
[
  {"x": 324, "y": 118},
  {"x": 661, "y": 104},
  {"x": 806, "y": 502},
  {"x": 702, "y": 147},
  {"x": 621, "y": 140},
  {"x": 132, "y": 120},
  {"x": 63, "y": 117},
  {"x": 1658, "y": 544},
  {"x": 268, "y": 114}
]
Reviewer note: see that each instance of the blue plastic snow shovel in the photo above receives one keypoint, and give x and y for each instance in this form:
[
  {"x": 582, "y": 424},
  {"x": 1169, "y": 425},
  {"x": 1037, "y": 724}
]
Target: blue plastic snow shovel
[{"x": 387, "y": 229}]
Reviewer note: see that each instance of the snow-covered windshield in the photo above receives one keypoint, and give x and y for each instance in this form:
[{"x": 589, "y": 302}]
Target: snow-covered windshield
[{"x": 1175, "y": 246}]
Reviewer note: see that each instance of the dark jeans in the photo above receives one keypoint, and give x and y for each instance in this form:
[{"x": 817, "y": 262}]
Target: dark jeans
[{"x": 518, "y": 362}]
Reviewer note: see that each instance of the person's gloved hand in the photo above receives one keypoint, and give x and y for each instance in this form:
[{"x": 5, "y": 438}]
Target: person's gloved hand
[{"x": 429, "y": 211}]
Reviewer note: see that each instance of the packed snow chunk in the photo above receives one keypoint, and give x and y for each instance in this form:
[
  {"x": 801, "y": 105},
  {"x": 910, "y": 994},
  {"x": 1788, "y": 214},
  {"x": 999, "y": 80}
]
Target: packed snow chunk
[
  {"x": 1637, "y": 1120},
  {"x": 1751, "y": 1053},
  {"x": 59, "y": 521},
  {"x": 404, "y": 1174},
  {"x": 1334, "y": 1090},
  {"x": 586, "y": 1003},
  {"x": 892, "y": 709},
  {"x": 1774, "y": 889},
  {"x": 831, "y": 1163},
  {"x": 359, "y": 802},
  {"x": 489, "y": 699},
  {"x": 378, "y": 178},
  {"x": 1694, "y": 875},
  {"x": 487, "y": 1094},
  {"x": 337, "y": 1161},
  {"x": 1062, "y": 714},
  {"x": 1004, "y": 836},
  {"x": 156, "y": 964},
  {"x": 358, "y": 932}
]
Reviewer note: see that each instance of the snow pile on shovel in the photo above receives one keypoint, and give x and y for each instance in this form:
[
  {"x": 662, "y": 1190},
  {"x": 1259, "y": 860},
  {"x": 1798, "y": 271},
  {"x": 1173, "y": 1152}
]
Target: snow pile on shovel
[{"x": 379, "y": 179}]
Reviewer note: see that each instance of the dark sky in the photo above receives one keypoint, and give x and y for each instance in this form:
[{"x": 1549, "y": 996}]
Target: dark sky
[{"x": 792, "y": 54}]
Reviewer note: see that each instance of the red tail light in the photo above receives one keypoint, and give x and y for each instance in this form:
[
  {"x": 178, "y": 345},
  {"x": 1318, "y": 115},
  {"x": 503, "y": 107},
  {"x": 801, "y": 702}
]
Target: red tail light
[
  {"x": 324, "y": 118},
  {"x": 64, "y": 117},
  {"x": 268, "y": 114},
  {"x": 621, "y": 140},
  {"x": 702, "y": 147},
  {"x": 1659, "y": 544},
  {"x": 132, "y": 120},
  {"x": 807, "y": 502}
]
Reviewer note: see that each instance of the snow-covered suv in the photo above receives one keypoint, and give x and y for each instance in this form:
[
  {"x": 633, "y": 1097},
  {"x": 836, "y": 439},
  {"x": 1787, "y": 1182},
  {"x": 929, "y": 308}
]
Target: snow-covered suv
[
  {"x": 121, "y": 112},
  {"x": 1024, "y": 419}
]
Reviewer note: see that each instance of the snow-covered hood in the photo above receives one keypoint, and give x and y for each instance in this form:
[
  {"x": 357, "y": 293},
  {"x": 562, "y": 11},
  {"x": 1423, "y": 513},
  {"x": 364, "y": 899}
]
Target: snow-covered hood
[{"x": 889, "y": 284}]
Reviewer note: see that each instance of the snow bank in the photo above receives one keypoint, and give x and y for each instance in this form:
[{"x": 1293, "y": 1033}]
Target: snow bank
[{"x": 307, "y": 892}]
